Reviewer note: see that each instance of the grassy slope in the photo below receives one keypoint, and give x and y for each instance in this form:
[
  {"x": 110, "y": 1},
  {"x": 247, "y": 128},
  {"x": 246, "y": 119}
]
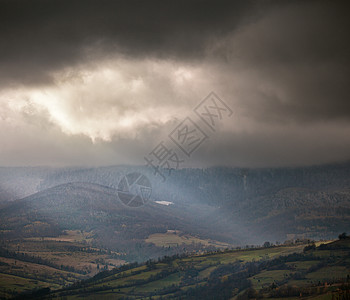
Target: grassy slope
[
  {"x": 176, "y": 238},
  {"x": 129, "y": 283},
  {"x": 19, "y": 275}
]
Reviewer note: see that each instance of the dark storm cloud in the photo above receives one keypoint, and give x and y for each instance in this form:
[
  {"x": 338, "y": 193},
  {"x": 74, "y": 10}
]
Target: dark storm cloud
[
  {"x": 294, "y": 62},
  {"x": 302, "y": 47},
  {"x": 39, "y": 36}
]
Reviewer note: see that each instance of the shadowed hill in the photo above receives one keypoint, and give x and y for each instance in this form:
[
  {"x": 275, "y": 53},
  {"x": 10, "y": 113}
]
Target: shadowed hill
[
  {"x": 243, "y": 206},
  {"x": 96, "y": 209}
]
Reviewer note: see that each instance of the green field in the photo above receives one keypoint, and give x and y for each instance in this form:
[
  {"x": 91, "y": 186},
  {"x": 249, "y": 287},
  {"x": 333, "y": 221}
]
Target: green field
[
  {"x": 268, "y": 272},
  {"x": 265, "y": 272},
  {"x": 34, "y": 263},
  {"x": 175, "y": 238}
]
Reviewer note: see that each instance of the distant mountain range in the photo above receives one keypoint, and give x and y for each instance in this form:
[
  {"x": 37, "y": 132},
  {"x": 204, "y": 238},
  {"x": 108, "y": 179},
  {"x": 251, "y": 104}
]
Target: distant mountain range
[{"x": 237, "y": 206}]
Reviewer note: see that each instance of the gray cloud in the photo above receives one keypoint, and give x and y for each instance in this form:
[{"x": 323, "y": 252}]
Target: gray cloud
[
  {"x": 38, "y": 37},
  {"x": 293, "y": 62},
  {"x": 101, "y": 82}
]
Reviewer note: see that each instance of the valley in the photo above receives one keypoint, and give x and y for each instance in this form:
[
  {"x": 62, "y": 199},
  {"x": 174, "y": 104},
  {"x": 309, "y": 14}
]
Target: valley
[{"x": 69, "y": 226}]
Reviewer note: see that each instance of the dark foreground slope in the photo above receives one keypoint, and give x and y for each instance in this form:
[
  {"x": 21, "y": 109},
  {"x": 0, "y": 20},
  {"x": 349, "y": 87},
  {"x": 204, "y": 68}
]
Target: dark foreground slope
[{"x": 276, "y": 272}]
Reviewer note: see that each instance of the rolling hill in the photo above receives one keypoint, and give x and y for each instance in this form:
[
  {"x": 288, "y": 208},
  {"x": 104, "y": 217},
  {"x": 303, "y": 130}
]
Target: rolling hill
[
  {"x": 295, "y": 271},
  {"x": 96, "y": 210}
]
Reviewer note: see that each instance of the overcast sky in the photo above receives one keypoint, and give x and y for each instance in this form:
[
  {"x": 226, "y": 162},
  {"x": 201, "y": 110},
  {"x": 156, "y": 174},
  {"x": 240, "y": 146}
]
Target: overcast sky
[{"x": 104, "y": 82}]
